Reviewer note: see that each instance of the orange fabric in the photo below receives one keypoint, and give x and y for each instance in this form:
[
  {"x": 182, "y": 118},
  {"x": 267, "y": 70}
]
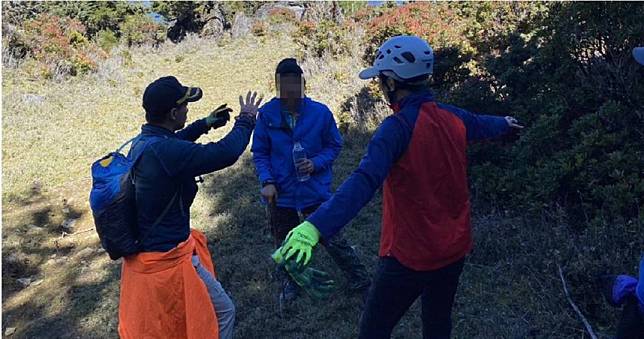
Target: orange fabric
[{"x": 162, "y": 295}]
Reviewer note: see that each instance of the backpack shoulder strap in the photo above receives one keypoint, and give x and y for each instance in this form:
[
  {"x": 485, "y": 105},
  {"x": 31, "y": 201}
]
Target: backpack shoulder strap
[
  {"x": 147, "y": 143},
  {"x": 118, "y": 150},
  {"x": 174, "y": 197}
]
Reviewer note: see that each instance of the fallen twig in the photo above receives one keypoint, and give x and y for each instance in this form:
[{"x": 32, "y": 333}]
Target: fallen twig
[
  {"x": 586, "y": 323},
  {"x": 65, "y": 234}
]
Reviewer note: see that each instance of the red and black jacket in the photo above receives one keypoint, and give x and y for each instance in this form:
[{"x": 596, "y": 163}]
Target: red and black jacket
[{"x": 419, "y": 153}]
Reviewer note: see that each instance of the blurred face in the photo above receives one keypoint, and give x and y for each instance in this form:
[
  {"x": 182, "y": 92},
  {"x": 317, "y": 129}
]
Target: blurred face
[
  {"x": 179, "y": 116},
  {"x": 290, "y": 89}
]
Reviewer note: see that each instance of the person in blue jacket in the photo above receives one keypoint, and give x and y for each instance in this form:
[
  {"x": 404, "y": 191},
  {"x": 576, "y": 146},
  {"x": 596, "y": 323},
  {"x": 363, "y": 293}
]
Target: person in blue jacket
[
  {"x": 419, "y": 156},
  {"x": 286, "y": 120}
]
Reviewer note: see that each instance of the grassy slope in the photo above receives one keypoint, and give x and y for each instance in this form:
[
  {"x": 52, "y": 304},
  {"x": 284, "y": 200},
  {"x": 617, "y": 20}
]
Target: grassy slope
[{"x": 48, "y": 148}]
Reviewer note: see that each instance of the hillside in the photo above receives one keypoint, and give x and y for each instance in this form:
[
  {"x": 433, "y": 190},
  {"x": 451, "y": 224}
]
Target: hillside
[{"x": 53, "y": 129}]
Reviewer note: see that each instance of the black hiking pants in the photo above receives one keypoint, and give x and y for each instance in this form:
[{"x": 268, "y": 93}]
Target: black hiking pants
[{"x": 394, "y": 290}]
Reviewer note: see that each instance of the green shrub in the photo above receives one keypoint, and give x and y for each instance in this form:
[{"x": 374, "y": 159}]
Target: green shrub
[
  {"x": 325, "y": 37},
  {"x": 107, "y": 40},
  {"x": 583, "y": 147},
  {"x": 97, "y": 16},
  {"x": 141, "y": 30},
  {"x": 100, "y": 24},
  {"x": 281, "y": 15},
  {"x": 231, "y": 8},
  {"x": 572, "y": 82},
  {"x": 59, "y": 45}
]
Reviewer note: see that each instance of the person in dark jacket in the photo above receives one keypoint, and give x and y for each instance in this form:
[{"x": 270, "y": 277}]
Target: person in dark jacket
[
  {"x": 419, "y": 152},
  {"x": 289, "y": 119},
  {"x": 165, "y": 173}
]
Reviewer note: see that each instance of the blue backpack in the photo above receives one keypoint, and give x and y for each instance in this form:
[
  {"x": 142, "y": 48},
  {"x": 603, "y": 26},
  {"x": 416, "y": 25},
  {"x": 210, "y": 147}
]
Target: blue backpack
[{"x": 113, "y": 203}]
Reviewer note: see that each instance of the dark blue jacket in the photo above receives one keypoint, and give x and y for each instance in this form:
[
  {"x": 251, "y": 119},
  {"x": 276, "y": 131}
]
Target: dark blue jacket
[
  {"x": 273, "y": 151},
  {"x": 169, "y": 166},
  {"x": 387, "y": 145}
]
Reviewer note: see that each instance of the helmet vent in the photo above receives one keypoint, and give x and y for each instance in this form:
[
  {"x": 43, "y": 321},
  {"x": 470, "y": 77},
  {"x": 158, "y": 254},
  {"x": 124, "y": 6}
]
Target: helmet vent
[
  {"x": 397, "y": 46},
  {"x": 428, "y": 52},
  {"x": 398, "y": 60},
  {"x": 388, "y": 51},
  {"x": 409, "y": 57}
]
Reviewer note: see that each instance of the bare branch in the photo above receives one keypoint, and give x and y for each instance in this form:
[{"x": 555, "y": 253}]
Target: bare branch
[{"x": 586, "y": 323}]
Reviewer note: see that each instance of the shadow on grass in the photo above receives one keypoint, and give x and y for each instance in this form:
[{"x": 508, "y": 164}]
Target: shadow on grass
[
  {"x": 28, "y": 231},
  {"x": 67, "y": 286},
  {"x": 87, "y": 308}
]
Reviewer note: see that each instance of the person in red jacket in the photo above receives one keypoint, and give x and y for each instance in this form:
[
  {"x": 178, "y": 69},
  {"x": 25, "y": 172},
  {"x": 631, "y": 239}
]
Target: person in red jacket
[{"x": 419, "y": 152}]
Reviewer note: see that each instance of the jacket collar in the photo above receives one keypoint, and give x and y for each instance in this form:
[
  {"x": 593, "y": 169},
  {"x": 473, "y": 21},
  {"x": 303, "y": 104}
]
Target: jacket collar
[
  {"x": 149, "y": 129},
  {"x": 273, "y": 114},
  {"x": 424, "y": 95}
]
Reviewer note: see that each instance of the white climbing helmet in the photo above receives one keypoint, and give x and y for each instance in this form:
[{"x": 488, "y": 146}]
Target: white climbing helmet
[{"x": 405, "y": 56}]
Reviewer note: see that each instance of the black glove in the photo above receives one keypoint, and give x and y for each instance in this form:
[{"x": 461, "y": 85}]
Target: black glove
[{"x": 219, "y": 117}]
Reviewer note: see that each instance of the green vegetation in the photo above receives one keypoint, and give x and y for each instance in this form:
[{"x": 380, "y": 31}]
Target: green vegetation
[{"x": 566, "y": 191}]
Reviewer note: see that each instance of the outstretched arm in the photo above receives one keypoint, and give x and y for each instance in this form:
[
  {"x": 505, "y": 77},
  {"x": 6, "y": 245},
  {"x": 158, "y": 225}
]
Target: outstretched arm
[
  {"x": 198, "y": 159},
  {"x": 481, "y": 127}
]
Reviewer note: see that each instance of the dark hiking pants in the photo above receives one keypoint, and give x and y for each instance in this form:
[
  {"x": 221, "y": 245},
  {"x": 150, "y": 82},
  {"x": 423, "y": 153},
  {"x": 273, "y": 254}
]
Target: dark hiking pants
[{"x": 394, "y": 290}]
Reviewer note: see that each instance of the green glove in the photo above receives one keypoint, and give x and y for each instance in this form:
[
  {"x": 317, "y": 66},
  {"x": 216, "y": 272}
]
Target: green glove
[
  {"x": 218, "y": 117},
  {"x": 300, "y": 240},
  {"x": 315, "y": 283}
]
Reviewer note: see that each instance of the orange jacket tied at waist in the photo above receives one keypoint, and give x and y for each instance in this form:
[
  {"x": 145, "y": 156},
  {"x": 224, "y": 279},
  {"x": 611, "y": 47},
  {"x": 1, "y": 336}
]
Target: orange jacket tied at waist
[{"x": 162, "y": 295}]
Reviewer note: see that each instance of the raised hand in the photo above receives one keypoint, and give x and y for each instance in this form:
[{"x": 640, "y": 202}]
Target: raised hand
[{"x": 250, "y": 106}]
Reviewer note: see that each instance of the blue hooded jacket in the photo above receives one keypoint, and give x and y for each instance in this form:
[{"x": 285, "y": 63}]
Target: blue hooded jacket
[{"x": 272, "y": 149}]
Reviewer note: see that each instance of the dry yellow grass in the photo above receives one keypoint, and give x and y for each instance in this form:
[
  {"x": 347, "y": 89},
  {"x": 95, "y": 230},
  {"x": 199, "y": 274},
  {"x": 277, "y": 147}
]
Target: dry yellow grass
[{"x": 53, "y": 131}]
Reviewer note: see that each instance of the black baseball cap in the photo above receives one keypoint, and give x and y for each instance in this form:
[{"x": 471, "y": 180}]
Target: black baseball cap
[
  {"x": 167, "y": 93},
  {"x": 288, "y": 66}
]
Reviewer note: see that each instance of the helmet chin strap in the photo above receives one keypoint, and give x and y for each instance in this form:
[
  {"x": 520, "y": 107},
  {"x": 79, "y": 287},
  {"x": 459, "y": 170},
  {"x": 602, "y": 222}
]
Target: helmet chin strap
[
  {"x": 390, "y": 95},
  {"x": 389, "y": 91}
]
